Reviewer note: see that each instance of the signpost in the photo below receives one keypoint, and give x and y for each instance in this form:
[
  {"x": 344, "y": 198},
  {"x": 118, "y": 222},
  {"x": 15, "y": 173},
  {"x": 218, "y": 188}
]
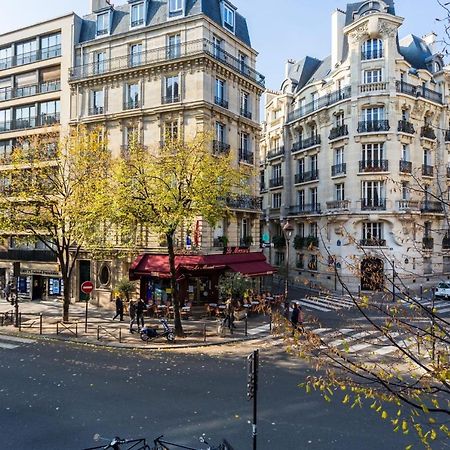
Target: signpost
[
  {"x": 87, "y": 287},
  {"x": 252, "y": 388}
]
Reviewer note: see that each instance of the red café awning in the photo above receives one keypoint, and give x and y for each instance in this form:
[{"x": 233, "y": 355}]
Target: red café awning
[{"x": 251, "y": 264}]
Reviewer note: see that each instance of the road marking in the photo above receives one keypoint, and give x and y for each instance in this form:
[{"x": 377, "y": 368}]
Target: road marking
[
  {"x": 7, "y": 346},
  {"x": 353, "y": 338},
  {"x": 312, "y": 305},
  {"x": 4, "y": 337},
  {"x": 321, "y": 330},
  {"x": 259, "y": 329}
]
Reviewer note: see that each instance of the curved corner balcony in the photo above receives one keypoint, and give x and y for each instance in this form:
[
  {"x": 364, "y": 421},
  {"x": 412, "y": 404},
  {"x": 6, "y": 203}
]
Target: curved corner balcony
[
  {"x": 167, "y": 54},
  {"x": 373, "y": 126},
  {"x": 419, "y": 91}
]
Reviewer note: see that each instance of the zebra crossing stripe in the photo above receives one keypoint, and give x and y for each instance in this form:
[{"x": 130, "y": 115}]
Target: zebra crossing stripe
[
  {"x": 259, "y": 329},
  {"x": 321, "y": 330},
  {"x": 7, "y": 346},
  {"x": 4, "y": 337},
  {"x": 353, "y": 338},
  {"x": 308, "y": 304}
]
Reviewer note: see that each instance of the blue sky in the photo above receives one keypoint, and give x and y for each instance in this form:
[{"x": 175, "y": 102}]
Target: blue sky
[{"x": 279, "y": 29}]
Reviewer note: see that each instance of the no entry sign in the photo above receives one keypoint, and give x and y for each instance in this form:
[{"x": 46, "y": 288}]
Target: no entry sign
[{"x": 87, "y": 287}]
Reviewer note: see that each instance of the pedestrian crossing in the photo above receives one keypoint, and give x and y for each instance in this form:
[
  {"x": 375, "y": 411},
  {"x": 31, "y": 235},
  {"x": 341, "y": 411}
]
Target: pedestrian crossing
[
  {"x": 326, "y": 302},
  {"x": 438, "y": 305},
  {"x": 12, "y": 342},
  {"x": 367, "y": 343}
]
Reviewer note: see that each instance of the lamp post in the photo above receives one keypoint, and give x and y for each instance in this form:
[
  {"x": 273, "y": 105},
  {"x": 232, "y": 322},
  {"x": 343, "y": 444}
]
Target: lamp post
[{"x": 288, "y": 229}]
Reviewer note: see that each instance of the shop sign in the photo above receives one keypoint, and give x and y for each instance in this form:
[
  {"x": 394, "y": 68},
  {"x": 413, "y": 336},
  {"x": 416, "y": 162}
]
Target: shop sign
[
  {"x": 236, "y": 250},
  {"x": 44, "y": 273}
]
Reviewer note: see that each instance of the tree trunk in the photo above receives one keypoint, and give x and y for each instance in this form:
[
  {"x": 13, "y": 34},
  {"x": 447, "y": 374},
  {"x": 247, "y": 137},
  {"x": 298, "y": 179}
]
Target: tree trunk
[
  {"x": 174, "y": 286},
  {"x": 66, "y": 303}
]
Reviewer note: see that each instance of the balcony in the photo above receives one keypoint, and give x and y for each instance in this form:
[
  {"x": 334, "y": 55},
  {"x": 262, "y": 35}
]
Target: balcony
[
  {"x": 31, "y": 57},
  {"x": 447, "y": 136},
  {"x": 28, "y": 255},
  {"x": 427, "y": 132},
  {"x": 9, "y": 93},
  {"x": 373, "y": 204},
  {"x": 168, "y": 99},
  {"x": 376, "y": 53},
  {"x": 137, "y": 23},
  {"x": 262, "y": 189},
  {"x": 381, "y": 165},
  {"x": 446, "y": 243},
  {"x": 373, "y": 126},
  {"x": 408, "y": 205},
  {"x": 338, "y": 131},
  {"x": 419, "y": 91},
  {"x": 427, "y": 243},
  {"x": 220, "y": 101},
  {"x": 369, "y": 88},
  {"x": 248, "y": 202},
  {"x": 220, "y": 147},
  {"x": 431, "y": 206},
  {"x": 246, "y": 113},
  {"x": 372, "y": 242},
  {"x": 276, "y": 182},
  {"x": 246, "y": 156},
  {"x": 96, "y": 110},
  {"x": 275, "y": 153},
  {"x": 306, "y": 143},
  {"x": 42, "y": 120},
  {"x": 405, "y": 166},
  {"x": 196, "y": 48},
  {"x": 320, "y": 103},
  {"x": 305, "y": 177},
  {"x": 313, "y": 208},
  {"x": 338, "y": 205},
  {"x": 427, "y": 171},
  {"x": 338, "y": 169},
  {"x": 448, "y": 172},
  {"x": 405, "y": 127},
  {"x": 132, "y": 104}
]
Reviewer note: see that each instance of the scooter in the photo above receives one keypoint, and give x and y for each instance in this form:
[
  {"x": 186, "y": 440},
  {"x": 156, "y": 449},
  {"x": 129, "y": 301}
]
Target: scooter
[{"x": 148, "y": 333}]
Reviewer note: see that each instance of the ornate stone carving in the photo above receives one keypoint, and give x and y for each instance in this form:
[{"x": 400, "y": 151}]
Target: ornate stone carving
[
  {"x": 387, "y": 30},
  {"x": 323, "y": 117},
  {"x": 360, "y": 33}
]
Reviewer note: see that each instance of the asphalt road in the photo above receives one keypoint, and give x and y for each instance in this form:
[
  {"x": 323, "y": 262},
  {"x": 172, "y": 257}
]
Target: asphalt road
[{"x": 57, "y": 396}]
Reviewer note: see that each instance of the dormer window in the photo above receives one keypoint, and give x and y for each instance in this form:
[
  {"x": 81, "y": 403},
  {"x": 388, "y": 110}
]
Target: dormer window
[
  {"x": 102, "y": 24},
  {"x": 228, "y": 17},
  {"x": 175, "y": 7},
  {"x": 137, "y": 15}
]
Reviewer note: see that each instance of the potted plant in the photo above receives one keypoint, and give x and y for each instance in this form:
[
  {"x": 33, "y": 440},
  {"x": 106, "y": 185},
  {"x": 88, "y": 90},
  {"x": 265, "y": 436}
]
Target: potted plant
[
  {"x": 223, "y": 240},
  {"x": 247, "y": 240},
  {"x": 299, "y": 242},
  {"x": 279, "y": 241}
]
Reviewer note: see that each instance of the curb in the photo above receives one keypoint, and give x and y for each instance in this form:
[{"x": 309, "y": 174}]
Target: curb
[{"x": 131, "y": 346}]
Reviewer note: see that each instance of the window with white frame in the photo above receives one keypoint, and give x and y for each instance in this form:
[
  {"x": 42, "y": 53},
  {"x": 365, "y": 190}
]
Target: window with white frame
[
  {"x": 426, "y": 157},
  {"x": 373, "y": 76},
  {"x": 276, "y": 200},
  {"x": 220, "y": 132},
  {"x": 102, "y": 24},
  {"x": 301, "y": 199},
  {"x": 218, "y": 50},
  {"x": 172, "y": 89},
  {"x": 97, "y": 102},
  {"x": 99, "y": 62},
  {"x": 174, "y": 46},
  {"x": 132, "y": 96},
  {"x": 220, "y": 91},
  {"x": 135, "y": 55},
  {"x": 313, "y": 197},
  {"x": 406, "y": 190},
  {"x": 276, "y": 171},
  {"x": 374, "y": 114},
  {"x": 313, "y": 163},
  {"x": 372, "y": 153},
  {"x": 171, "y": 130},
  {"x": 373, "y": 194},
  {"x": 339, "y": 156},
  {"x": 372, "y": 231},
  {"x": 314, "y": 229},
  {"x": 301, "y": 229},
  {"x": 245, "y": 143},
  {"x": 339, "y": 119},
  {"x": 245, "y": 103},
  {"x": 339, "y": 192},
  {"x": 242, "y": 62},
  {"x": 372, "y": 49},
  {"x": 175, "y": 7},
  {"x": 405, "y": 152},
  {"x": 228, "y": 17},
  {"x": 137, "y": 15},
  {"x": 301, "y": 166}
]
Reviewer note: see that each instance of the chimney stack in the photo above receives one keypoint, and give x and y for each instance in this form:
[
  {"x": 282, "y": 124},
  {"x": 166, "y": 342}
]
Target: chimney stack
[
  {"x": 337, "y": 37},
  {"x": 98, "y": 5},
  {"x": 430, "y": 40},
  {"x": 289, "y": 64}
]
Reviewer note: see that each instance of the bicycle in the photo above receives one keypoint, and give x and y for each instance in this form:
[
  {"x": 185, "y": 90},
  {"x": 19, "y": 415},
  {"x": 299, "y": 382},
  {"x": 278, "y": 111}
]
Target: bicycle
[
  {"x": 163, "y": 445},
  {"x": 117, "y": 443}
]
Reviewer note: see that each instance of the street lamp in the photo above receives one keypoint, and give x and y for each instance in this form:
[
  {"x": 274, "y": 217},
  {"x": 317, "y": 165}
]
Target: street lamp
[{"x": 288, "y": 230}]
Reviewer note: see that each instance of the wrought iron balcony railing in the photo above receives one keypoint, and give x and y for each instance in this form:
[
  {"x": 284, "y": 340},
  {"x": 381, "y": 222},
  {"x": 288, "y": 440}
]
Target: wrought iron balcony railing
[
  {"x": 374, "y": 242},
  {"x": 305, "y": 177},
  {"x": 244, "y": 202},
  {"x": 95, "y": 110},
  {"x": 132, "y": 104},
  {"x": 338, "y": 169},
  {"x": 427, "y": 171},
  {"x": 313, "y": 208},
  {"x": 405, "y": 166},
  {"x": 322, "y": 102},
  {"x": 220, "y": 147},
  {"x": 196, "y": 48},
  {"x": 381, "y": 165},
  {"x": 405, "y": 127},
  {"x": 373, "y": 126},
  {"x": 373, "y": 204},
  {"x": 338, "y": 205},
  {"x": 246, "y": 113},
  {"x": 165, "y": 100},
  {"x": 338, "y": 131},
  {"x": 275, "y": 153},
  {"x": 427, "y": 132},
  {"x": 418, "y": 91},
  {"x": 276, "y": 182},
  {"x": 432, "y": 206},
  {"x": 221, "y": 102},
  {"x": 306, "y": 143},
  {"x": 246, "y": 156},
  {"x": 428, "y": 243},
  {"x": 372, "y": 54}
]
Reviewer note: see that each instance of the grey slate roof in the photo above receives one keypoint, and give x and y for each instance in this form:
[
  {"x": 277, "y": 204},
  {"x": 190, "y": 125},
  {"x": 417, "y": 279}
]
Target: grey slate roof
[
  {"x": 353, "y": 7},
  {"x": 157, "y": 14},
  {"x": 301, "y": 71}
]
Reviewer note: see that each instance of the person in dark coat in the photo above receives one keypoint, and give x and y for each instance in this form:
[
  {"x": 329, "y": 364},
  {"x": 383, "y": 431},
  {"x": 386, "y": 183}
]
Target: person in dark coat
[
  {"x": 132, "y": 313},
  {"x": 119, "y": 309},
  {"x": 140, "y": 309},
  {"x": 296, "y": 318}
]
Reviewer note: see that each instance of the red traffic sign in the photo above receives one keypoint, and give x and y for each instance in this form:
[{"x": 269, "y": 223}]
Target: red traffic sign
[{"x": 87, "y": 287}]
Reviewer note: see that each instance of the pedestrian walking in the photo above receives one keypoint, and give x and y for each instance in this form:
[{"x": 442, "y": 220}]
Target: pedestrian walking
[
  {"x": 119, "y": 309},
  {"x": 297, "y": 318},
  {"x": 7, "y": 291},
  {"x": 140, "y": 309},
  {"x": 229, "y": 315},
  {"x": 132, "y": 313}
]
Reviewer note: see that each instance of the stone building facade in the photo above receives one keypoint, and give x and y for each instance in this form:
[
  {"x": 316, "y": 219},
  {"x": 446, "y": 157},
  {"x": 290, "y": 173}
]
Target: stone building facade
[{"x": 354, "y": 154}]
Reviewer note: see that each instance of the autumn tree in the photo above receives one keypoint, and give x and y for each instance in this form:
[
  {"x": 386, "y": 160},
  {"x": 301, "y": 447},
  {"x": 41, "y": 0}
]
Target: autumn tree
[
  {"x": 54, "y": 192},
  {"x": 168, "y": 189}
]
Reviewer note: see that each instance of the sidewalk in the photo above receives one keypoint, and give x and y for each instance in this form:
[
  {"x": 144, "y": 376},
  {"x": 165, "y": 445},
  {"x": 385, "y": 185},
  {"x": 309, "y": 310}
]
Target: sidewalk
[{"x": 43, "y": 320}]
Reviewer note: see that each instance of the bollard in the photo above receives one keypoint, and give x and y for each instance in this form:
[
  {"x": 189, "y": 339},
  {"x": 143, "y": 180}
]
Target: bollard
[
  {"x": 246, "y": 326},
  {"x": 120, "y": 335},
  {"x": 76, "y": 329},
  {"x": 204, "y": 332},
  {"x": 40, "y": 323},
  {"x": 57, "y": 328},
  {"x": 421, "y": 293},
  {"x": 2, "y": 319},
  {"x": 270, "y": 322},
  {"x": 20, "y": 321},
  {"x": 98, "y": 332}
]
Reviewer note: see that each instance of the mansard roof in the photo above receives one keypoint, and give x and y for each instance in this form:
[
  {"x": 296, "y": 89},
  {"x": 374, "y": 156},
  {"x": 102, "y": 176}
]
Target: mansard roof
[
  {"x": 157, "y": 13},
  {"x": 415, "y": 51},
  {"x": 353, "y": 8}
]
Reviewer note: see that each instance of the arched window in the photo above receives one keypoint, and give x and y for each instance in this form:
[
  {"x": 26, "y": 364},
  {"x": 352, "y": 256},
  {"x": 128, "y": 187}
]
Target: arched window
[{"x": 372, "y": 49}]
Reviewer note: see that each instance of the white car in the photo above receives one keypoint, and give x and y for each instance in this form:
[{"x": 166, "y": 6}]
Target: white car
[{"x": 443, "y": 290}]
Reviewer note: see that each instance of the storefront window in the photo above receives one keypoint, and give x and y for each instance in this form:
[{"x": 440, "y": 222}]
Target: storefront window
[{"x": 55, "y": 286}]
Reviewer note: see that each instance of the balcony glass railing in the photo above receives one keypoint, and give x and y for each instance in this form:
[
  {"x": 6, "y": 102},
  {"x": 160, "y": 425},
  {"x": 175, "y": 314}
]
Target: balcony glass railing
[
  {"x": 30, "y": 122},
  {"x": 9, "y": 93},
  {"x": 30, "y": 57},
  {"x": 322, "y": 102},
  {"x": 159, "y": 55}
]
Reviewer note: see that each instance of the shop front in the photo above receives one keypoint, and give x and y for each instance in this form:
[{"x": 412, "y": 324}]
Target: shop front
[
  {"x": 197, "y": 275},
  {"x": 39, "y": 281}
]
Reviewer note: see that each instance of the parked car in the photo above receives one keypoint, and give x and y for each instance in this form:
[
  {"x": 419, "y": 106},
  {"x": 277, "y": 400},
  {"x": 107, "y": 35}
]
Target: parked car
[{"x": 442, "y": 290}]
